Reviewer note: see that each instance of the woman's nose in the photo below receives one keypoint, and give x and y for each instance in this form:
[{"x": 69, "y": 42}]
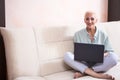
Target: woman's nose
[{"x": 89, "y": 20}]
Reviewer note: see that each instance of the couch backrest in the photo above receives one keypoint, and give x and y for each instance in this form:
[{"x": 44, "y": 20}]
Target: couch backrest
[
  {"x": 52, "y": 43},
  {"x": 21, "y": 52},
  {"x": 112, "y": 29},
  {"x": 36, "y": 51},
  {"x": 39, "y": 51}
]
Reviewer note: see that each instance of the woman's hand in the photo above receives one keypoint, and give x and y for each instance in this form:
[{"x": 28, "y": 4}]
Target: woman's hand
[{"x": 106, "y": 54}]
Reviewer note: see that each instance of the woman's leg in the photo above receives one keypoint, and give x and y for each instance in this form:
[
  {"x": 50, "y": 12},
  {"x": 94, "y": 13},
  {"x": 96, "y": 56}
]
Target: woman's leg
[
  {"x": 92, "y": 73},
  {"x": 69, "y": 59},
  {"x": 109, "y": 61},
  {"x": 76, "y": 65}
]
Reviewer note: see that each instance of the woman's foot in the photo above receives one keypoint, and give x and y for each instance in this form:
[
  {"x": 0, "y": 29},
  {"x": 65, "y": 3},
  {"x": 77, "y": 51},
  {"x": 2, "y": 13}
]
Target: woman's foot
[
  {"x": 107, "y": 76},
  {"x": 78, "y": 75},
  {"x": 92, "y": 73}
]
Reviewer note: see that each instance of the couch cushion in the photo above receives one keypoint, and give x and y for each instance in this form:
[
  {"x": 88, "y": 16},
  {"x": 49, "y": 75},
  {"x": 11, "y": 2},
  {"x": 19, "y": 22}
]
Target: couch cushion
[
  {"x": 51, "y": 57},
  {"x": 21, "y": 53},
  {"x": 115, "y": 71},
  {"x": 55, "y": 34},
  {"x": 30, "y": 78},
  {"x": 113, "y": 31},
  {"x": 68, "y": 75},
  {"x": 52, "y": 66},
  {"x": 52, "y": 43}
]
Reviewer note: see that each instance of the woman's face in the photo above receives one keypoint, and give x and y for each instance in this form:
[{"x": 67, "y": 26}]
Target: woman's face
[{"x": 90, "y": 20}]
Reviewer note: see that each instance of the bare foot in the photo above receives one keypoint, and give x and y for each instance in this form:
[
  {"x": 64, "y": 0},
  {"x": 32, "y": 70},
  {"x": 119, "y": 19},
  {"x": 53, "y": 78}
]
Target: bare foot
[
  {"x": 98, "y": 75},
  {"x": 107, "y": 76},
  {"x": 77, "y": 75}
]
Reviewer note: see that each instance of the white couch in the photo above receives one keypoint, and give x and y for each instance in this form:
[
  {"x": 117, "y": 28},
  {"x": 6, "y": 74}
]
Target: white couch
[{"x": 37, "y": 53}]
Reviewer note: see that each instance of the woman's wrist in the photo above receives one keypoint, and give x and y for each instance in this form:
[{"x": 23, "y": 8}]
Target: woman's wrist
[{"x": 106, "y": 54}]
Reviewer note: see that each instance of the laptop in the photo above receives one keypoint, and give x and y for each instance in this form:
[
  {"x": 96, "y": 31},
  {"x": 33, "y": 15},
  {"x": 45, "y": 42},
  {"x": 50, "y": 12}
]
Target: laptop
[{"x": 88, "y": 52}]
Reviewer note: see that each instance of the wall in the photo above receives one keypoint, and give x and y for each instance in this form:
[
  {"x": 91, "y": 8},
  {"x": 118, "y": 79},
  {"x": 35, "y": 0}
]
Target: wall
[{"x": 41, "y": 13}]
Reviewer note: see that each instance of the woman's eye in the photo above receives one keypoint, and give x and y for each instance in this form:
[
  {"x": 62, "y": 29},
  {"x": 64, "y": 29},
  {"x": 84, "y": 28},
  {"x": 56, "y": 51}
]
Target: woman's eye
[
  {"x": 92, "y": 19},
  {"x": 87, "y": 18}
]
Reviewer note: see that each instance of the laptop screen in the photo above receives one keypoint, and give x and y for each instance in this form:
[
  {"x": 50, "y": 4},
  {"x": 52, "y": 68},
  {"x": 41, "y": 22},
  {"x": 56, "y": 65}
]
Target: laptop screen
[{"x": 88, "y": 52}]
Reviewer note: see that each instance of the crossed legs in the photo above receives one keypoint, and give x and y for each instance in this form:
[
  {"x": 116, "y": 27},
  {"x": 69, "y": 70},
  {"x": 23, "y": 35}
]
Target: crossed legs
[{"x": 84, "y": 69}]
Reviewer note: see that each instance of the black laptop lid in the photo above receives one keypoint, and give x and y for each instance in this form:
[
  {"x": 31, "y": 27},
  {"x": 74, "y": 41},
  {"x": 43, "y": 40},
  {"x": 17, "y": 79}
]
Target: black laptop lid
[{"x": 88, "y": 52}]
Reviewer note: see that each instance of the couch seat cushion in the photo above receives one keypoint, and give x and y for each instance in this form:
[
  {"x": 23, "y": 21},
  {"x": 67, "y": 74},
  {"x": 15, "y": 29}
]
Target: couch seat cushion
[
  {"x": 29, "y": 78},
  {"x": 115, "y": 71},
  {"x": 68, "y": 75}
]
